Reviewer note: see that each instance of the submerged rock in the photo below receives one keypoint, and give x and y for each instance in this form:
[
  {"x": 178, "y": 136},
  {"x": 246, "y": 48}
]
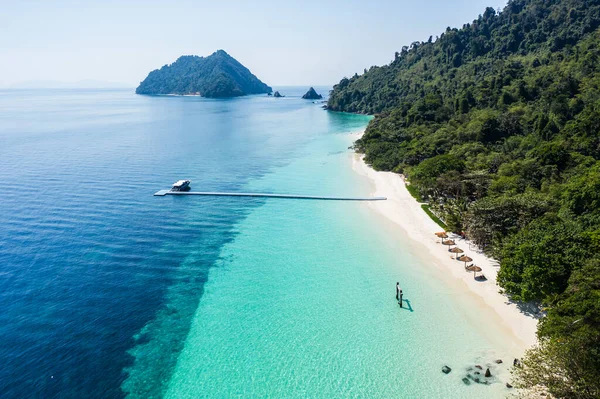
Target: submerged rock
[
  {"x": 466, "y": 381},
  {"x": 311, "y": 94},
  {"x": 499, "y": 361},
  {"x": 446, "y": 369},
  {"x": 479, "y": 367}
]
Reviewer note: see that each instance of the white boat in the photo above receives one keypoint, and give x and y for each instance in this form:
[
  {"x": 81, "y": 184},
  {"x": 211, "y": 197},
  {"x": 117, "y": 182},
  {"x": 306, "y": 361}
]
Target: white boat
[{"x": 181, "y": 185}]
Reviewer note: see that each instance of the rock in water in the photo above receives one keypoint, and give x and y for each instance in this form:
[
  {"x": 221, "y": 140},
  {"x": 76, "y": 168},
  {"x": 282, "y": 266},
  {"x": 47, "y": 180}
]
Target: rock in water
[
  {"x": 277, "y": 94},
  {"x": 466, "y": 381},
  {"x": 499, "y": 361},
  {"x": 446, "y": 369},
  {"x": 508, "y": 385},
  {"x": 311, "y": 94},
  {"x": 488, "y": 373}
]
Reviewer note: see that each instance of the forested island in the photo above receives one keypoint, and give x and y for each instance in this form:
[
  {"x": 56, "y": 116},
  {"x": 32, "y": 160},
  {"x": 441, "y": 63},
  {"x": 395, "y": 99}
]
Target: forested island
[
  {"x": 218, "y": 75},
  {"x": 497, "y": 126}
]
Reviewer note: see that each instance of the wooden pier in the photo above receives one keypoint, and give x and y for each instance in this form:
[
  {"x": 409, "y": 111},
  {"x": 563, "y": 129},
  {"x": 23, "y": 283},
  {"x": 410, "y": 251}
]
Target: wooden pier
[{"x": 162, "y": 193}]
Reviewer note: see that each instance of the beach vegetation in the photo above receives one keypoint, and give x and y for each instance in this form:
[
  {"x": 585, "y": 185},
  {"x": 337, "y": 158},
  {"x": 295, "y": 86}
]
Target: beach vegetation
[
  {"x": 567, "y": 358},
  {"x": 414, "y": 192},
  {"x": 433, "y": 217}
]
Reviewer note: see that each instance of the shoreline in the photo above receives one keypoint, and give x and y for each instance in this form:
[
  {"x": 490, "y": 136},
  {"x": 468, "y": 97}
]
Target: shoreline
[{"x": 405, "y": 212}]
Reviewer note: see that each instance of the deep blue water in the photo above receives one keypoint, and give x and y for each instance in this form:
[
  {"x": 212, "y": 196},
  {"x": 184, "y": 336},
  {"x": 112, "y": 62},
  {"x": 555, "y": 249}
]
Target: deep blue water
[{"x": 88, "y": 257}]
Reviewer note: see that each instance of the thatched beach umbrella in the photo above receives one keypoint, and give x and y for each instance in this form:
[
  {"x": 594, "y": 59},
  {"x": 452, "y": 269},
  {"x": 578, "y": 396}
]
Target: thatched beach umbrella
[
  {"x": 448, "y": 242},
  {"x": 465, "y": 259},
  {"x": 442, "y": 234},
  {"x": 456, "y": 250},
  {"x": 474, "y": 269}
]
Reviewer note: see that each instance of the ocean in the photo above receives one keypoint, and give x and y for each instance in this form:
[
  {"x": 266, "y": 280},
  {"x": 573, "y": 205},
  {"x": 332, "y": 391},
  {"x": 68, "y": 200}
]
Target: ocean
[{"x": 108, "y": 291}]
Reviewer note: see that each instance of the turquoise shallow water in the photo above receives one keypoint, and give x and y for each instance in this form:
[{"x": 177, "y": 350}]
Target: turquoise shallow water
[
  {"x": 301, "y": 303},
  {"x": 107, "y": 291}
]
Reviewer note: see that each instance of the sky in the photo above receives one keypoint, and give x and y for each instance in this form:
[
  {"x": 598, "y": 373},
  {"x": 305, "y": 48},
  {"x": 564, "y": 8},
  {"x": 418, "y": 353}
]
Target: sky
[{"x": 285, "y": 42}]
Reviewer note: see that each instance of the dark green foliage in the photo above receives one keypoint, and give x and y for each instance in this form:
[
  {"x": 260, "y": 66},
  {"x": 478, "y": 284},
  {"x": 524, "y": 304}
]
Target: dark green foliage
[
  {"x": 427, "y": 172},
  {"x": 497, "y": 125},
  {"x": 433, "y": 217},
  {"x": 491, "y": 219},
  {"x": 579, "y": 309},
  {"x": 414, "y": 192},
  {"x": 537, "y": 261},
  {"x": 218, "y": 75},
  {"x": 581, "y": 194},
  {"x": 567, "y": 361},
  {"x": 462, "y": 59}
]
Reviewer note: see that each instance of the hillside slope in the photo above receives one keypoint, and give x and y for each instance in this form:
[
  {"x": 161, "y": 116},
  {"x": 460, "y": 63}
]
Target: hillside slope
[{"x": 218, "y": 75}]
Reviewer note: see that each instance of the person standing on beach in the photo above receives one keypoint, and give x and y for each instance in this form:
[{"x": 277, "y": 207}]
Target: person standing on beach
[
  {"x": 398, "y": 290},
  {"x": 400, "y": 299}
]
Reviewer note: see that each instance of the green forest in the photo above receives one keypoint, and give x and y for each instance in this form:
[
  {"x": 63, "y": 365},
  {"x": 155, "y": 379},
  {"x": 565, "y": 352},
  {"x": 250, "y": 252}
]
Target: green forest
[{"x": 497, "y": 127}]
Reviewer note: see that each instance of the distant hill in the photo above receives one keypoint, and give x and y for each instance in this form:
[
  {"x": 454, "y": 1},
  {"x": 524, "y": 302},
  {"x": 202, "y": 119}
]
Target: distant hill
[
  {"x": 218, "y": 75},
  {"x": 80, "y": 84}
]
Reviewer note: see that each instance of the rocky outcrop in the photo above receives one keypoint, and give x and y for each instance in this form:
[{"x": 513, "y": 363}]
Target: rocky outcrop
[
  {"x": 311, "y": 94},
  {"x": 277, "y": 94}
]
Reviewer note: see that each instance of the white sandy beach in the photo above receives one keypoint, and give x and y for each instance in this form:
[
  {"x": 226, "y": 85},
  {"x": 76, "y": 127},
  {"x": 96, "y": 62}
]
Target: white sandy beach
[{"x": 402, "y": 209}]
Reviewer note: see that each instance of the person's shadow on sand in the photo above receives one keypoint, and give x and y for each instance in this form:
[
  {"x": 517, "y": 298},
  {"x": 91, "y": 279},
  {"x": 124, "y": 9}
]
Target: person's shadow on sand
[{"x": 408, "y": 305}]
